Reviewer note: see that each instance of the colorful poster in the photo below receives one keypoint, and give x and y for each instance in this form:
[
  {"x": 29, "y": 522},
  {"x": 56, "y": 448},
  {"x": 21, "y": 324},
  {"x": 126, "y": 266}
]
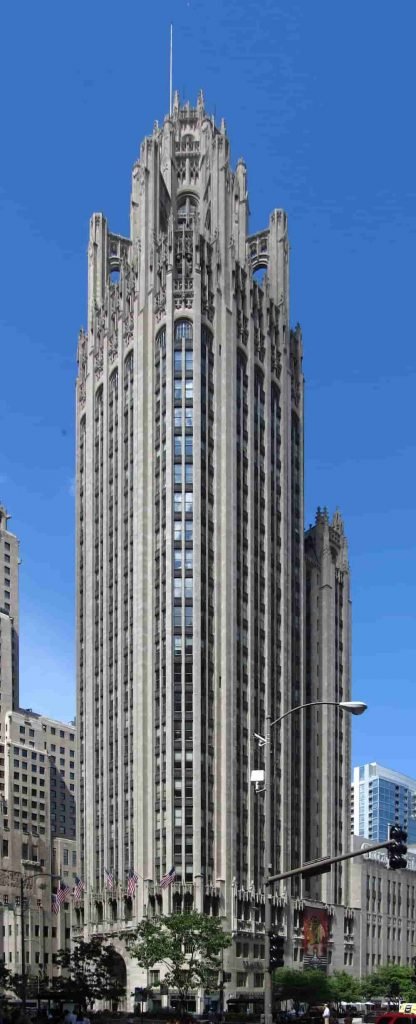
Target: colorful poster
[{"x": 315, "y": 938}]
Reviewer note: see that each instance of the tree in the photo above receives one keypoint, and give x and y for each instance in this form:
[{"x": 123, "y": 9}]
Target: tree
[
  {"x": 35, "y": 984},
  {"x": 4, "y": 976},
  {"x": 91, "y": 971},
  {"x": 189, "y": 947},
  {"x": 302, "y": 986},
  {"x": 344, "y": 988},
  {"x": 392, "y": 980}
]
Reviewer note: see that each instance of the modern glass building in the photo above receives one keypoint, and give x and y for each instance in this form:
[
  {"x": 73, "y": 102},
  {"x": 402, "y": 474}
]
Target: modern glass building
[{"x": 381, "y": 797}]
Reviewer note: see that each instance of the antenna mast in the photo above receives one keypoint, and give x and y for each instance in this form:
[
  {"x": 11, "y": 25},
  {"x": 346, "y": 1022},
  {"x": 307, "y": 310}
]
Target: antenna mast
[{"x": 171, "y": 70}]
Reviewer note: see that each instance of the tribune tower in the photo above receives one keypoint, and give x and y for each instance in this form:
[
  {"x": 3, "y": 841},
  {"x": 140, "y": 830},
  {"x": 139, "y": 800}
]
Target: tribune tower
[{"x": 189, "y": 538}]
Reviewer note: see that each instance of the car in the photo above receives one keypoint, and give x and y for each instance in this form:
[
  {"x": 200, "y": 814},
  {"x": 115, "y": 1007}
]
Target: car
[{"x": 396, "y": 1017}]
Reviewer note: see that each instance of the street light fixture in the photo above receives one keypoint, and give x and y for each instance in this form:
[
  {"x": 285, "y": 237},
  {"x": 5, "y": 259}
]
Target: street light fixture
[
  {"x": 355, "y": 707},
  {"x": 352, "y": 707},
  {"x": 27, "y": 878}
]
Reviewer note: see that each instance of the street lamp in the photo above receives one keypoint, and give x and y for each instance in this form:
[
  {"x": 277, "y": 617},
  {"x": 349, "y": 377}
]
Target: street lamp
[
  {"x": 23, "y": 879},
  {"x": 353, "y": 707}
]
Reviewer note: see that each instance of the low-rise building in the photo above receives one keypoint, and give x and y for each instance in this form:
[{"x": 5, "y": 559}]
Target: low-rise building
[
  {"x": 386, "y": 904},
  {"x": 38, "y": 844}
]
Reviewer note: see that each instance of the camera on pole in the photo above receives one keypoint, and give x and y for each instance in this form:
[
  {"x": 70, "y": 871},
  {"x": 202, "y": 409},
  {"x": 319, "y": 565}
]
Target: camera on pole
[{"x": 396, "y": 852}]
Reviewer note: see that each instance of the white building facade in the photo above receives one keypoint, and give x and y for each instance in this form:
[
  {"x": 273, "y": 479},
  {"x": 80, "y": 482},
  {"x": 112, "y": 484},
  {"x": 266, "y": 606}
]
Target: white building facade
[
  {"x": 9, "y": 625},
  {"x": 385, "y": 903},
  {"x": 381, "y": 797},
  {"x": 190, "y": 551}
]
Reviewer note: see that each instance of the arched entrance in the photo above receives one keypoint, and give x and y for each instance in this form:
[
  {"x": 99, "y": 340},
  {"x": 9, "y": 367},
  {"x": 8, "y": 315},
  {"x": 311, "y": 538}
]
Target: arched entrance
[{"x": 118, "y": 970}]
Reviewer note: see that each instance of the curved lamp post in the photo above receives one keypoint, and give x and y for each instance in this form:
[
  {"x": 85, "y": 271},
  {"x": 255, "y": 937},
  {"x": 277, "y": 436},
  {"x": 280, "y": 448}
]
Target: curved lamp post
[
  {"x": 27, "y": 878},
  {"x": 352, "y": 707}
]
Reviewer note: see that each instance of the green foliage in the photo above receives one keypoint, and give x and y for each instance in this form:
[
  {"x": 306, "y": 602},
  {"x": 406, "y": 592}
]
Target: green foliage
[
  {"x": 391, "y": 981},
  {"x": 302, "y": 986},
  {"x": 188, "y": 945},
  {"x": 5, "y": 976},
  {"x": 92, "y": 971},
  {"x": 344, "y": 988},
  {"x": 35, "y": 984}
]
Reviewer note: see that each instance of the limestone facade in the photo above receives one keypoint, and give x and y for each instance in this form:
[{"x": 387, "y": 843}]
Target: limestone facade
[{"x": 190, "y": 550}]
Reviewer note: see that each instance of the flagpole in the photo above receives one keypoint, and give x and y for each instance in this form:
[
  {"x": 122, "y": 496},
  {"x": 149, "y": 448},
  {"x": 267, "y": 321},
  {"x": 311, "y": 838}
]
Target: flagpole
[{"x": 171, "y": 70}]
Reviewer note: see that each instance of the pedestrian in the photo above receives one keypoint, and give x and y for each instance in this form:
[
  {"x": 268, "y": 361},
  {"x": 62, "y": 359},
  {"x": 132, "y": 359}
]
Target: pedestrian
[{"x": 326, "y": 1014}]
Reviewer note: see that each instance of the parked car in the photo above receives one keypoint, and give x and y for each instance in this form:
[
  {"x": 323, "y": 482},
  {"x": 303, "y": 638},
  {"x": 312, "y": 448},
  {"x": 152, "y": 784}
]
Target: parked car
[{"x": 396, "y": 1017}]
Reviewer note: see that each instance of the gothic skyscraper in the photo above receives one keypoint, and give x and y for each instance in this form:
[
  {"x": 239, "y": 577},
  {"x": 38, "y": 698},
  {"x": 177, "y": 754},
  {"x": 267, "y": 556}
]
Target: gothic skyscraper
[{"x": 189, "y": 539}]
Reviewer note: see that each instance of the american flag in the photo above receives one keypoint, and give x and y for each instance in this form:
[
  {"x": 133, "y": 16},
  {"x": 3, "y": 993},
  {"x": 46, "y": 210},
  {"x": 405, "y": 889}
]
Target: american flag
[
  {"x": 78, "y": 889},
  {"x": 108, "y": 879},
  {"x": 59, "y": 897},
  {"x": 168, "y": 878},
  {"x": 131, "y": 883}
]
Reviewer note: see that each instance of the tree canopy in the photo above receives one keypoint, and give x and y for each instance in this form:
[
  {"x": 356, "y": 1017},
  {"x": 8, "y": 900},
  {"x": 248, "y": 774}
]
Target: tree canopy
[
  {"x": 392, "y": 980},
  {"x": 187, "y": 945},
  {"x": 302, "y": 986},
  {"x": 344, "y": 987},
  {"x": 4, "y": 975},
  {"x": 91, "y": 971}
]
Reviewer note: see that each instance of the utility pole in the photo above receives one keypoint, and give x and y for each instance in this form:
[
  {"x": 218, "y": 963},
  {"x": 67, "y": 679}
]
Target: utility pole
[
  {"x": 23, "y": 879},
  {"x": 353, "y": 707},
  {"x": 268, "y": 843},
  {"x": 22, "y": 942}
]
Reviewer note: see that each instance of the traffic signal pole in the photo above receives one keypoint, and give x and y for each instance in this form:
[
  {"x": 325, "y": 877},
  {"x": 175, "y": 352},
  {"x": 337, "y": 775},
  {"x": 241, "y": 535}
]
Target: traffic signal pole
[
  {"x": 22, "y": 943},
  {"x": 353, "y": 707},
  {"x": 318, "y": 867},
  {"x": 268, "y": 843}
]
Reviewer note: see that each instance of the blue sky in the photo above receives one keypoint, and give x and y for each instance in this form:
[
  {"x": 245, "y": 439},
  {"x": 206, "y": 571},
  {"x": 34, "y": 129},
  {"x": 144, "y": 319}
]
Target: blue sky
[{"x": 319, "y": 99}]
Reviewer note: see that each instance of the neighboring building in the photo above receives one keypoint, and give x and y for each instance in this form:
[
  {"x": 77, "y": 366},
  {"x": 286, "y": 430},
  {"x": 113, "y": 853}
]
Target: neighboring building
[
  {"x": 60, "y": 742},
  {"x": 38, "y": 836},
  {"x": 9, "y": 625},
  {"x": 381, "y": 797},
  {"x": 45, "y": 932},
  {"x": 387, "y": 901},
  {"x": 40, "y": 773},
  {"x": 37, "y": 800},
  {"x": 190, "y": 561},
  {"x": 327, "y": 763}
]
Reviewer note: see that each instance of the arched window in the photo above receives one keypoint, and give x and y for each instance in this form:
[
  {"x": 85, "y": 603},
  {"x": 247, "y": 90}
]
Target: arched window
[
  {"x": 177, "y": 903},
  {"x": 128, "y": 365},
  {"x": 186, "y": 209},
  {"x": 98, "y": 400},
  {"x": 183, "y": 330},
  {"x": 113, "y": 382},
  {"x": 161, "y": 339}
]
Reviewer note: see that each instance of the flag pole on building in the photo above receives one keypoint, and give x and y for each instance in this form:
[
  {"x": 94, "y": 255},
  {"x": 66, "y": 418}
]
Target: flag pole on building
[{"x": 171, "y": 70}]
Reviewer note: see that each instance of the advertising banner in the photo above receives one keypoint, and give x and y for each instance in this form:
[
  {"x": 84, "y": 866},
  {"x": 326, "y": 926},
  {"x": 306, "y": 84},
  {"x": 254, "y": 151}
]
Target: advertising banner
[{"x": 315, "y": 938}]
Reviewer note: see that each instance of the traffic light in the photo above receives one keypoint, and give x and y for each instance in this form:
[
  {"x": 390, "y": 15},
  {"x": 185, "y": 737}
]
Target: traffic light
[
  {"x": 277, "y": 950},
  {"x": 395, "y": 853}
]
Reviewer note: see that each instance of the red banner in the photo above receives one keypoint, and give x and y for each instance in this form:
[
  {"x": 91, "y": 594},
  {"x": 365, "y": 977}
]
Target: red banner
[{"x": 315, "y": 938}]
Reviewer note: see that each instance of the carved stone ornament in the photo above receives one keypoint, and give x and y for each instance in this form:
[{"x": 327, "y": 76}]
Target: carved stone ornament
[
  {"x": 259, "y": 346},
  {"x": 128, "y": 328},
  {"x": 160, "y": 304},
  {"x": 82, "y": 367},
  {"x": 184, "y": 302},
  {"x": 112, "y": 346},
  {"x": 11, "y": 879},
  {"x": 276, "y": 361},
  {"x": 296, "y": 392}
]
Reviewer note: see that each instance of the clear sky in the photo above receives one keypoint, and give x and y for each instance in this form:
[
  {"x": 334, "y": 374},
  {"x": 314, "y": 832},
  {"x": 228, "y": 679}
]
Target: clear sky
[{"x": 318, "y": 98}]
